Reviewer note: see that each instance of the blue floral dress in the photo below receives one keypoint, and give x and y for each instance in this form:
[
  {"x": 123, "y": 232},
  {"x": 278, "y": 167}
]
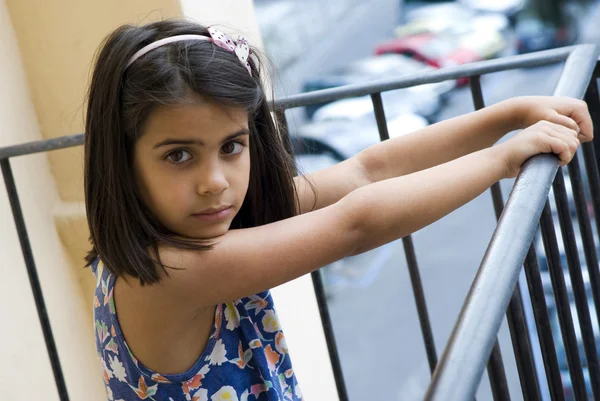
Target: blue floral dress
[{"x": 246, "y": 357}]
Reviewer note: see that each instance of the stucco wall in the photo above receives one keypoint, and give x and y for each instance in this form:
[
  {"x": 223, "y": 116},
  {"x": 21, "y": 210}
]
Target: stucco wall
[{"x": 25, "y": 369}]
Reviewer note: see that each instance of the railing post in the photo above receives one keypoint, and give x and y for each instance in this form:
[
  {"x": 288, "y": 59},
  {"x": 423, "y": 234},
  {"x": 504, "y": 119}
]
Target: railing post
[
  {"x": 317, "y": 280},
  {"x": 409, "y": 251},
  {"x": 542, "y": 323},
  {"x": 563, "y": 306},
  {"x": 34, "y": 280}
]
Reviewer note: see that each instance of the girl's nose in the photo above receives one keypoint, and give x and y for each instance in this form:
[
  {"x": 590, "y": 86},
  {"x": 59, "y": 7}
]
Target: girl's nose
[{"x": 213, "y": 181}]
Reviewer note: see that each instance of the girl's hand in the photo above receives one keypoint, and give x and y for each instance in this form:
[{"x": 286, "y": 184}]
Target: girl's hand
[
  {"x": 542, "y": 137},
  {"x": 568, "y": 112}
]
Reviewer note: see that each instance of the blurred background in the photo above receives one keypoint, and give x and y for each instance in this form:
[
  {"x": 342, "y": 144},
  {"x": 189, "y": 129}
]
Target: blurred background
[
  {"x": 324, "y": 44},
  {"x": 46, "y": 53}
]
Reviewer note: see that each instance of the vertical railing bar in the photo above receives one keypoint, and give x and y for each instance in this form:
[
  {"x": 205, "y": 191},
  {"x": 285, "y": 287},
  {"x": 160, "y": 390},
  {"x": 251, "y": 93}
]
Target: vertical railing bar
[
  {"x": 589, "y": 156},
  {"x": 587, "y": 236},
  {"x": 518, "y": 329},
  {"x": 592, "y": 98},
  {"x": 380, "y": 116},
  {"x": 34, "y": 280},
  {"x": 497, "y": 200},
  {"x": 515, "y": 313},
  {"x": 579, "y": 292},
  {"x": 563, "y": 305},
  {"x": 543, "y": 326},
  {"x": 497, "y": 375},
  {"x": 476, "y": 92},
  {"x": 419, "y": 294},
  {"x": 411, "y": 258},
  {"x": 334, "y": 356}
]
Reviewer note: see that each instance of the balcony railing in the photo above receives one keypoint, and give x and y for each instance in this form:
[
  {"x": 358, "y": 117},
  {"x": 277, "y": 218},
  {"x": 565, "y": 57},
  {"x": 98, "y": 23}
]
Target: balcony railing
[{"x": 494, "y": 293}]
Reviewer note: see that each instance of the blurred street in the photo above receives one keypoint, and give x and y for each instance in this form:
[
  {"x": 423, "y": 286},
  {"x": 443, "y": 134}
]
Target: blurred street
[
  {"x": 370, "y": 296},
  {"x": 377, "y": 324}
]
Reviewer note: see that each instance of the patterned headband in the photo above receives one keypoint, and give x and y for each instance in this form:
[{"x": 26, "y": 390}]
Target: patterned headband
[{"x": 239, "y": 48}]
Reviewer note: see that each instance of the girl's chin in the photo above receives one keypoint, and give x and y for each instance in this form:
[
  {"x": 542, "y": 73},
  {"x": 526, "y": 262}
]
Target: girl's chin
[{"x": 207, "y": 233}]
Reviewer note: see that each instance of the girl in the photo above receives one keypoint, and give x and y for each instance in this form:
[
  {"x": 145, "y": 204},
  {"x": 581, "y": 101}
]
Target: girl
[{"x": 194, "y": 210}]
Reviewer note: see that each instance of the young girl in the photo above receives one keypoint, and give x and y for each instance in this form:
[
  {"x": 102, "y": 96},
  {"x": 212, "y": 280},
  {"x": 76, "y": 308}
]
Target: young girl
[{"x": 194, "y": 210}]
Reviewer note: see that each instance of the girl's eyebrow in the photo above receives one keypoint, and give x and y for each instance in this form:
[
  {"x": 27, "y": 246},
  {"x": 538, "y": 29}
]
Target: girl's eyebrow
[{"x": 183, "y": 141}]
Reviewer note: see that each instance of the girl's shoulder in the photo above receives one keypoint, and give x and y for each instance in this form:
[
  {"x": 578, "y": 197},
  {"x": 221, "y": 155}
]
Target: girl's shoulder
[{"x": 250, "y": 260}]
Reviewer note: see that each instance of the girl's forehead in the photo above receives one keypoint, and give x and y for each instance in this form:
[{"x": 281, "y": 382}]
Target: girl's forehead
[{"x": 203, "y": 119}]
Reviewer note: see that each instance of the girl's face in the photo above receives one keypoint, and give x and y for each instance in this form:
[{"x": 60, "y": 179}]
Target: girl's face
[{"x": 192, "y": 167}]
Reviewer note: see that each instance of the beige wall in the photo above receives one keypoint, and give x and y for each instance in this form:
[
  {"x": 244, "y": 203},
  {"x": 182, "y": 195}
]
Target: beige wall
[
  {"x": 45, "y": 64},
  {"x": 57, "y": 40},
  {"x": 25, "y": 370}
]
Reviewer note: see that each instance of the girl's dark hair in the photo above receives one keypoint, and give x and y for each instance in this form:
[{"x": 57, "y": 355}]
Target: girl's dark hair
[{"x": 123, "y": 232}]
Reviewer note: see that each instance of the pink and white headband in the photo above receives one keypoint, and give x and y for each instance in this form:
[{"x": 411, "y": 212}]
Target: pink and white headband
[{"x": 239, "y": 48}]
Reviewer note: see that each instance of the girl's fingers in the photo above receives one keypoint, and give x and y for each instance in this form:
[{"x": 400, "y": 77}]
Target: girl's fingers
[
  {"x": 564, "y": 121},
  {"x": 562, "y": 144},
  {"x": 581, "y": 115},
  {"x": 567, "y": 136},
  {"x": 561, "y": 149}
]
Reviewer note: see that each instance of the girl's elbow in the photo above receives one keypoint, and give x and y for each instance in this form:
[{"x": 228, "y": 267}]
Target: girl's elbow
[{"x": 356, "y": 228}]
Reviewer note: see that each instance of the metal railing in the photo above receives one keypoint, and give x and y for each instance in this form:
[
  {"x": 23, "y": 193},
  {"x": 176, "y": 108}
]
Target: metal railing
[
  {"x": 494, "y": 292},
  {"x": 461, "y": 366}
]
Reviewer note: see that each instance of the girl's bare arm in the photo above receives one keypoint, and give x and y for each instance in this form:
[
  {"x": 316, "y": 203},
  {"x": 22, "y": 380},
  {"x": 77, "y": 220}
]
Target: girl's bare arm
[
  {"x": 250, "y": 260},
  {"x": 437, "y": 144}
]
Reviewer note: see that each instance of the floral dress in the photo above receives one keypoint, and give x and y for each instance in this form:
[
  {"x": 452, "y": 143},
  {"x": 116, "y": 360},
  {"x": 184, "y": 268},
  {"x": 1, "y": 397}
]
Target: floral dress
[{"x": 245, "y": 359}]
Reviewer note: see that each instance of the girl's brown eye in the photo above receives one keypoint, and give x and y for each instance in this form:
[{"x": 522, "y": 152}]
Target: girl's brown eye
[
  {"x": 179, "y": 156},
  {"x": 232, "y": 148}
]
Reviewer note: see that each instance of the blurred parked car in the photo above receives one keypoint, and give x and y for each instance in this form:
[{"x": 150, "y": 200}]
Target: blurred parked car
[
  {"x": 447, "y": 49},
  {"x": 534, "y": 35},
  {"x": 451, "y": 18},
  {"x": 510, "y": 8},
  {"x": 343, "y": 138},
  {"x": 378, "y": 68},
  {"x": 395, "y": 103}
]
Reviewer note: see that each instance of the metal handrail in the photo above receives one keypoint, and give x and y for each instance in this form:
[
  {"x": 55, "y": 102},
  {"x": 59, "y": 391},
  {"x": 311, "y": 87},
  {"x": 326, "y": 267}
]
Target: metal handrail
[{"x": 461, "y": 367}]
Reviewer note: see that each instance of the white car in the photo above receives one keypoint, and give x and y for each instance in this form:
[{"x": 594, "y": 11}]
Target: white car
[
  {"x": 506, "y": 7},
  {"x": 348, "y": 137},
  {"x": 397, "y": 103},
  {"x": 426, "y": 99},
  {"x": 397, "y": 65},
  {"x": 455, "y": 18}
]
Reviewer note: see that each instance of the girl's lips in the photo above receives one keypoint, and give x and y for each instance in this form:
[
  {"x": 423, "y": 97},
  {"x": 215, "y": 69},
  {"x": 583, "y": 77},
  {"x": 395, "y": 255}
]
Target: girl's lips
[{"x": 214, "y": 216}]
